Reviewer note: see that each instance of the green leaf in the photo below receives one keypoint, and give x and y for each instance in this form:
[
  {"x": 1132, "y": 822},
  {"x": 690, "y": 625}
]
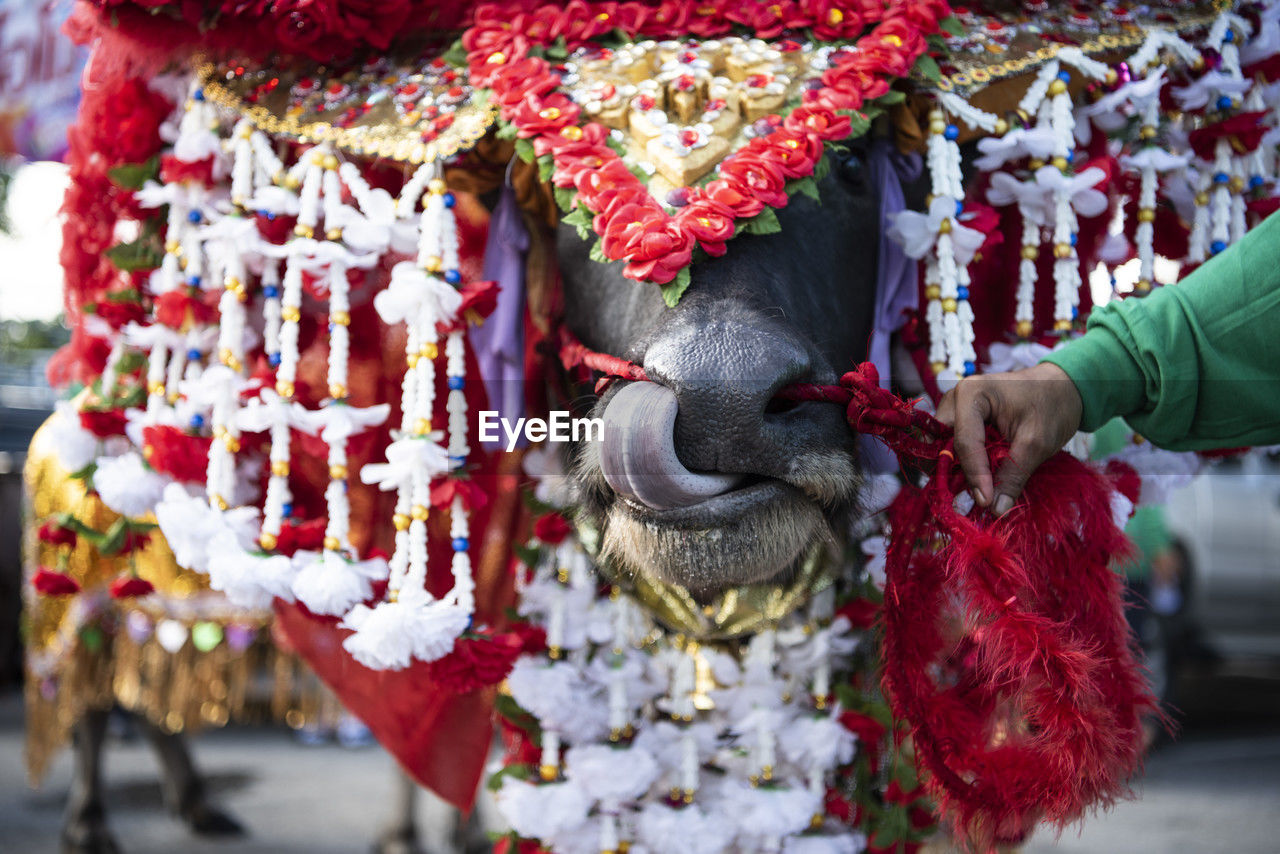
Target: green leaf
[
  {"x": 805, "y": 187},
  {"x": 546, "y": 167},
  {"x": 821, "y": 169},
  {"x": 141, "y": 254},
  {"x": 506, "y": 130},
  {"x": 580, "y": 218},
  {"x": 674, "y": 289},
  {"x": 597, "y": 253},
  {"x": 131, "y": 176},
  {"x": 952, "y": 25},
  {"x": 928, "y": 66},
  {"x": 524, "y": 149},
  {"x": 893, "y": 96},
  {"x": 456, "y": 55},
  {"x": 765, "y": 222},
  {"x": 85, "y": 474},
  {"x": 519, "y": 771},
  {"x": 506, "y": 706},
  {"x": 559, "y": 50},
  {"x": 528, "y": 555},
  {"x": 564, "y": 197}
]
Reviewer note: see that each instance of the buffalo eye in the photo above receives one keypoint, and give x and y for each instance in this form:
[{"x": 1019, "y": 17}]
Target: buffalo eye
[{"x": 853, "y": 170}]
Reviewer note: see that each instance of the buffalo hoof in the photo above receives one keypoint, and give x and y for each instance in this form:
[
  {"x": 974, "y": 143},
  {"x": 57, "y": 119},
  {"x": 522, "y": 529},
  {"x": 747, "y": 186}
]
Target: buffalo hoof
[
  {"x": 205, "y": 820},
  {"x": 89, "y": 839},
  {"x": 398, "y": 842}
]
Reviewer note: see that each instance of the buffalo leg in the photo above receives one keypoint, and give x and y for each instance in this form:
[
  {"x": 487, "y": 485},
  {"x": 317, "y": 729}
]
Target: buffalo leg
[
  {"x": 183, "y": 787},
  {"x": 84, "y": 830},
  {"x": 400, "y": 836}
]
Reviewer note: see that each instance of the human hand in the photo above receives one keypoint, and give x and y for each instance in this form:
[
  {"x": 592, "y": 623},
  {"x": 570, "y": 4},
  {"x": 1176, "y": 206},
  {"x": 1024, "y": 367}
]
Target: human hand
[{"x": 1037, "y": 409}]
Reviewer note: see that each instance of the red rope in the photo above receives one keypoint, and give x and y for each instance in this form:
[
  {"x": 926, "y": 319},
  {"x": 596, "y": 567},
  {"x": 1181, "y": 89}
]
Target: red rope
[{"x": 1005, "y": 643}]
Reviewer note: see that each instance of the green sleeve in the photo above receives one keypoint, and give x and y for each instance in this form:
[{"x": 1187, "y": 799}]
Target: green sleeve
[{"x": 1194, "y": 365}]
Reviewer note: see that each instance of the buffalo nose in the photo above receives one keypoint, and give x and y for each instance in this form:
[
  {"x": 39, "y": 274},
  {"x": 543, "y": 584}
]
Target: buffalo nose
[{"x": 724, "y": 371}]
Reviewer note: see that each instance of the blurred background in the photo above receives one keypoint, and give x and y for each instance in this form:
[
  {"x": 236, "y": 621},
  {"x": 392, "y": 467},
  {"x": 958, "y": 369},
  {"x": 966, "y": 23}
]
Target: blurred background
[{"x": 1206, "y": 593}]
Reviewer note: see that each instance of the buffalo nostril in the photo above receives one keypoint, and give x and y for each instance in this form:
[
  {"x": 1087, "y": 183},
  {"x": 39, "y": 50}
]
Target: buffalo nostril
[{"x": 778, "y": 405}]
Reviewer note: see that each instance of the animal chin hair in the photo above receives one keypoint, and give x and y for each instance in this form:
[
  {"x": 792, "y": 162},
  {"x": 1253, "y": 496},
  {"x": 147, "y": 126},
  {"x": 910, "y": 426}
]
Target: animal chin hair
[
  {"x": 760, "y": 547},
  {"x": 828, "y": 477}
]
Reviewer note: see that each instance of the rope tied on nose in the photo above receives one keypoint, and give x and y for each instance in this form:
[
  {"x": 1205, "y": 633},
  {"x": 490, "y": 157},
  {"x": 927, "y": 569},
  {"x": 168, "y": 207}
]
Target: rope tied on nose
[{"x": 1005, "y": 644}]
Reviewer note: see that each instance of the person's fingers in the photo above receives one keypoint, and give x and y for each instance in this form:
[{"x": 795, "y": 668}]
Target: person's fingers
[
  {"x": 947, "y": 409},
  {"x": 971, "y": 411},
  {"x": 1025, "y": 455}
]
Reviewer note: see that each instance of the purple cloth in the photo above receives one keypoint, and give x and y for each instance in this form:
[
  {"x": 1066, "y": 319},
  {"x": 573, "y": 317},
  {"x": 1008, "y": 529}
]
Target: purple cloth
[
  {"x": 499, "y": 343},
  {"x": 897, "y": 289}
]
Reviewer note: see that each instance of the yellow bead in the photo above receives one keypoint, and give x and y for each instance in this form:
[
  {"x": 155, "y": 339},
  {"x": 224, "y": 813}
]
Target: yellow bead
[
  {"x": 937, "y": 127},
  {"x": 436, "y": 186},
  {"x": 337, "y": 472},
  {"x": 290, "y": 314},
  {"x": 1030, "y": 251},
  {"x": 280, "y": 468},
  {"x": 1062, "y": 250},
  {"x": 268, "y": 541},
  {"x": 1062, "y": 325},
  {"x": 429, "y": 351},
  {"x": 938, "y": 367},
  {"x": 1035, "y": 163},
  {"x": 401, "y": 522},
  {"x": 292, "y": 182},
  {"x": 173, "y": 247},
  {"x": 232, "y": 444},
  {"x": 284, "y": 388},
  {"x": 156, "y": 388},
  {"x": 419, "y": 512},
  {"x": 548, "y": 772},
  {"x": 422, "y": 426},
  {"x": 1236, "y": 184},
  {"x": 412, "y": 359},
  {"x": 317, "y": 157},
  {"x": 432, "y": 264},
  {"x": 1023, "y": 329},
  {"x": 1002, "y": 127},
  {"x": 932, "y": 292},
  {"x": 1057, "y": 87},
  {"x": 944, "y": 227},
  {"x": 1142, "y": 286},
  {"x": 337, "y": 391},
  {"x": 331, "y": 162},
  {"x": 331, "y": 544},
  {"x": 496, "y": 58},
  {"x": 219, "y": 502},
  {"x": 1202, "y": 199},
  {"x": 1060, "y": 163},
  {"x": 342, "y": 318},
  {"x": 1147, "y": 132},
  {"x": 333, "y": 234},
  {"x": 1111, "y": 77},
  {"x": 573, "y": 133},
  {"x": 949, "y": 305},
  {"x": 304, "y": 230},
  {"x": 1146, "y": 215}
]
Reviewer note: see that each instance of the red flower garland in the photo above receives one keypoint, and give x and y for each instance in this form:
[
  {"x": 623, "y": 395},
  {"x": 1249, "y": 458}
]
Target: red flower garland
[
  {"x": 130, "y": 586},
  {"x": 634, "y": 227},
  {"x": 50, "y": 582}
]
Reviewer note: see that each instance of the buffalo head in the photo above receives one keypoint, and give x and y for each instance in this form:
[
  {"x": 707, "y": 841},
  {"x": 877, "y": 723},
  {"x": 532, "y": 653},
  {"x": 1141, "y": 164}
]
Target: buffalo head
[{"x": 703, "y": 478}]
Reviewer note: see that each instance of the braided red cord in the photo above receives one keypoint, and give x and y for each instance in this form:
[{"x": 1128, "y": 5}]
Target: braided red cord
[{"x": 1005, "y": 643}]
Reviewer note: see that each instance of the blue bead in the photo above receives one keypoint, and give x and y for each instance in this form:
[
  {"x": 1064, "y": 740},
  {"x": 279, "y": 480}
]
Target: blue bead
[
  {"x": 449, "y": 200},
  {"x": 962, "y": 292},
  {"x": 456, "y": 461},
  {"x": 1256, "y": 181},
  {"x": 1064, "y": 76},
  {"x": 193, "y": 216},
  {"x": 970, "y": 369},
  {"x": 1074, "y": 238},
  {"x": 1224, "y": 102},
  {"x": 460, "y": 544},
  {"x": 1075, "y": 313},
  {"x": 193, "y": 281},
  {"x": 197, "y": 421},
  {"x": 270, "y": 291},
  {"x": 198, "y": 95},
  {"x": 271, "y": 217},
  {"x": 1229, "y": 36},
  {"x": 193, "y": 354},
  {"x": 452, "y": 276},
  {"x": 273, "y": 359},
  {"x": 455, "y": 383},
  {"x": 1221, "y": 177},
  {"x": 952, "y": 132},
  {"x": 959, "y": 207},
  {"x": 286, "y": 510},
  {"x": 1217, "y": 246}
]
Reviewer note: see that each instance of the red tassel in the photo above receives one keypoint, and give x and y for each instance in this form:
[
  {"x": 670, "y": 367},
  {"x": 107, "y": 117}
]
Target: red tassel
[
  {"x": 551, "y": 528},
  {"x": 49, "y": 582},
  {"x": 55, "y": 534},
  {"x": 477, "y": 662},
  {"x": 131, "y": 586}
]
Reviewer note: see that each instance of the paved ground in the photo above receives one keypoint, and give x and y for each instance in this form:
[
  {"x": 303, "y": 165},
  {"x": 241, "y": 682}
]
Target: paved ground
[{"x": 1215, "y": 791}]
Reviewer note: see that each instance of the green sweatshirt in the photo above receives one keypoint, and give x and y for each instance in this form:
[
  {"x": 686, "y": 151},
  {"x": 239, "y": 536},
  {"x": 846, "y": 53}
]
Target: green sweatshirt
[{"x": 1195, "y": 365}]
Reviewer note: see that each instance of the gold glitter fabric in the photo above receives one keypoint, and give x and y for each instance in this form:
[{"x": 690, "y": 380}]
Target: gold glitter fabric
[{"x": 182, "y": 656}]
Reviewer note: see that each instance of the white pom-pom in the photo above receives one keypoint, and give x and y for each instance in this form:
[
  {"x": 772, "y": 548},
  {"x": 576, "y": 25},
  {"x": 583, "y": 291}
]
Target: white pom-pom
[
  {"x": 126, "y": 485},
  {"x": 689, "y": 830},
  {"x": 541, "y": 811},
  {"x": 189, "y": 525},
  {"x": 391, "y": 634},
  {"x": 768, "y": 813},
  {"x": 611, "y": 775},
  {"x": 561, "y": 698},
  {"x": 843, "y": 843},
  {"x": 248, "y": 580},
  {"x": 75, "y": 446},
  {"x": 820, "y": 742},
  {"x": 328, "y": 583}
]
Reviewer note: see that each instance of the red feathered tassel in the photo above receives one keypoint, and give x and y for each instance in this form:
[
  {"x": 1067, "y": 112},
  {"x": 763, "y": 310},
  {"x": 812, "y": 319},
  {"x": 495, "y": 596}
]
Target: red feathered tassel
[
  {"x": 172, "y": 451},
  {"x": 49, "y": 582}
]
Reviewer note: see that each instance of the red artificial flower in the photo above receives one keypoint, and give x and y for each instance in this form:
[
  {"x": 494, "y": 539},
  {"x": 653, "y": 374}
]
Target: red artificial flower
[
  {"x": 924, "y": 15},
  {"x": 832, "y": 19},
  {"x": 54, "y": 533},
  {"x": 921, "y": 818},
  {"x": 300, "y": 536},
  {"x": 130, "y": 586},
  {"x": 895, "y": 45},
  {"x": 175, "y": 171},
  {"x": 760, "y": 174},
  {"x": 551, "y": 528},
  {"x": 599, "y": 186},
  {"x": 734, "y": 195},
  {"x": 849, "y": 84},
  {"x": 479, "y": 299},
  {"x": 1244, "y": 131},
  {"x": 796, "y": 153},
  {"x": 710, "y": 223},
  {"x": 476, "y": 662},
  {"x": 524, "y": 78},
  {"x": 103, "y": 423},
  {"x": 178, "y": 307},
  {"x": 574, "y": 143},
  {"x": 836, "y": 806},
  {"x": 544, "y": 115},
  {"x": 120, "y": 312},
  {"x": 445, "y": 489},
  {"x": 654, "y": 247},
  {"x": 768, "y": 20},
  {"x": 172, "y": 451},
  {"x": 134, "y": 540},
  {"x": 861, "y": 613},
  {"x": 533, "y": 638},
  {"x": 824, "y": 123},
  {"x": 49, "y": 582},
  {"x": 707, "y": 19},
  {"x": 868, "y": 730}
]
